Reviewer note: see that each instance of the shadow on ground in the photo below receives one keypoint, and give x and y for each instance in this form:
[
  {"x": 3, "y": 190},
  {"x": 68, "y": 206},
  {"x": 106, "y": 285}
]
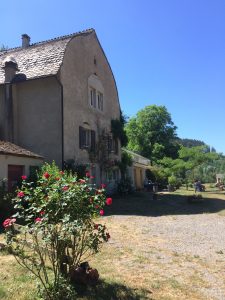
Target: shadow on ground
[
  {"x": 113, "y": 291},
  {"x": 142, "y": 204}
]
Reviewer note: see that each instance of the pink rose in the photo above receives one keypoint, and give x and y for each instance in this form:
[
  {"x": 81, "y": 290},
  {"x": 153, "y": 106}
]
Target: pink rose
[
  {"x": 88, "y": 174},
  {"x": 37, "y": 220},
  {"x": 24, "y": 177},
  {"x": 20, "y": 194},
  {"x": 42, "y": 213},
  {"x": 101, "y": 212},
  {"x": 109, "y": 201},
  {"x": 82, "y": 181},
  {"x": 8, "y": 222},
  {"x": 103, "y": 185}
]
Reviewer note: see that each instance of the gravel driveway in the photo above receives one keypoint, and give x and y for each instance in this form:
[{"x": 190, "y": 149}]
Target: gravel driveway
[{"x": 187, "y": 249}]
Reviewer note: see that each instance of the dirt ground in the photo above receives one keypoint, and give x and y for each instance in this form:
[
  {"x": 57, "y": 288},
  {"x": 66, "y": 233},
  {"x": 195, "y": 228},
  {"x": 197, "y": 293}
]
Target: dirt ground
[{"x": 169, "y": 248}]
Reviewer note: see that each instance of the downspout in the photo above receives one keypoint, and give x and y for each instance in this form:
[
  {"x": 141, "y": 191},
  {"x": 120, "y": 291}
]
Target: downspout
[
  {"x": 8, "y": 111},
  {"x": 62, "y": 120}
]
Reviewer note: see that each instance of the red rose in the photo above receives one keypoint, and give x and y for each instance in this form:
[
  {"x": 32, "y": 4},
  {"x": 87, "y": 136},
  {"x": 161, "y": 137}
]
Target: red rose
[
  {"x": 24, "y": 177},
  {"x": 96, "y": 226},
  {"x": 37, "y": 220},
  {"x": 42, "y": 213},
  {"x": 101, "y": 212},
  {"x": 46, "y": 175},
  {"x": 88, "y": 174},
  {"x": 65, "y": 188},
  {"x": 20, "y": 194},
  {"x": 103, "y": 185},
  {"x": 9, "y": 222},
  {"x": 108, "y": 201},
  {"x": 96, "y": 206}
]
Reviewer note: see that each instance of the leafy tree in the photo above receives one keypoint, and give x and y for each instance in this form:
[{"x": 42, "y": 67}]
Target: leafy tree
[
  {"x": 192, "y": 163},
  {"x": 152, "y": 133},
  {"x": 118, "y": 131}
]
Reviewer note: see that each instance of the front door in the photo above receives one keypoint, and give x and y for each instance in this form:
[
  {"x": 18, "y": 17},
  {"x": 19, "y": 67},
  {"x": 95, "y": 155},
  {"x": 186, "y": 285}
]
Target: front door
[{"x": 14, "y": 175}]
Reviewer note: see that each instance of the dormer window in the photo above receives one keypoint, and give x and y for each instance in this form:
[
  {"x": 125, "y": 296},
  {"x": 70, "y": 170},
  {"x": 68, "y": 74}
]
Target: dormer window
[{"x": 95, "y": 93}]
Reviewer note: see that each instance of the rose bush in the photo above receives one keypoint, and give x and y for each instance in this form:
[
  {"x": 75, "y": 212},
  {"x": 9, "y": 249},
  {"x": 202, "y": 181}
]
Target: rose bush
[{"x": 60, "y": 232}]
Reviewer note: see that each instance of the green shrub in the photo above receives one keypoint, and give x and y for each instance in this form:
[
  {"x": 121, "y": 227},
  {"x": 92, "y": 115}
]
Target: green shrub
[
  {"x": 125, "y": 186},
  {"x": 60, "y": 232},
  {"x": 174, "y": 181}
]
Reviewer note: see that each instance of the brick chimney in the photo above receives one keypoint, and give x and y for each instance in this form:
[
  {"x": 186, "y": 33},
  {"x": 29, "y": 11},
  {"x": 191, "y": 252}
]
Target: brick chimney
[
  {"x": 10, "y": 67},
  {"x": 25, "y": 40}
]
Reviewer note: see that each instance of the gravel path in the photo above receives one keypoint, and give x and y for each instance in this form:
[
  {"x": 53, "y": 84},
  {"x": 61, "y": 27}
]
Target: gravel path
[{"x": 189, "y": 248}]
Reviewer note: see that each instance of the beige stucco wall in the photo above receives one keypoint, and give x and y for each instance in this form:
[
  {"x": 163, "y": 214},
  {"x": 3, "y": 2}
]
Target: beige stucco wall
[
  {"x": 78, "y": 66},
  {"x": 37, "y": 117},
  {"x": 6, "y": 160}
]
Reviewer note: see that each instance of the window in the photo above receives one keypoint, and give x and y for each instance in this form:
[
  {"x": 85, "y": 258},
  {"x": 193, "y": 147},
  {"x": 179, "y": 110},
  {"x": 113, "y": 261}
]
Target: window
[
  {"x": 112, "y": 145},
  {"x": 95, "y": 92},
  {"x": 112, "y": 175},
  {"x": 14, "y": 176},
  {"x": 100, "y": 101},
  {"x": 86, "y": 138},
  {"x": 93, "y": 97}
]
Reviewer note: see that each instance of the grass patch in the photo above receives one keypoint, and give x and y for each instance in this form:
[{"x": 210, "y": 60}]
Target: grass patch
[{"x": 2, "y": 292}]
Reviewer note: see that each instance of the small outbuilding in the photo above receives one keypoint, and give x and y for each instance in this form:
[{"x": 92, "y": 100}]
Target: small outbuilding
[
  {"x": 137, "y": 172},
  {"x": 16, "y": 161}
]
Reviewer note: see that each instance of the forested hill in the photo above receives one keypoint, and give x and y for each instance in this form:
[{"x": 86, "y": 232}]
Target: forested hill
[{"x": 190, "y": 142}]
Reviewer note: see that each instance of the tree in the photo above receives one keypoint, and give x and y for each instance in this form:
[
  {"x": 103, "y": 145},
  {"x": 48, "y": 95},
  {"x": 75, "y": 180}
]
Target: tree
[
  {"x": 152, "y": 133},
  {"x": 3, "y": 48},
  {"x": 190, "y": 142}
]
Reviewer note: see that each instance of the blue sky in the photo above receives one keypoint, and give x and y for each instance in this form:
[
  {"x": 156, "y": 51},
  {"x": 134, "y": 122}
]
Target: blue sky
[{"x": 164, "y": 52}]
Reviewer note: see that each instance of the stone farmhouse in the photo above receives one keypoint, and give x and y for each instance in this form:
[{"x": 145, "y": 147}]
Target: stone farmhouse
[{"x": 57, "y": 100}]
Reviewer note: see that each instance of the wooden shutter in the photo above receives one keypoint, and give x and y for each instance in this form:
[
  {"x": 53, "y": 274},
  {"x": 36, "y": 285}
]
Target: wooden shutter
[{"x": 81, "y": 137}]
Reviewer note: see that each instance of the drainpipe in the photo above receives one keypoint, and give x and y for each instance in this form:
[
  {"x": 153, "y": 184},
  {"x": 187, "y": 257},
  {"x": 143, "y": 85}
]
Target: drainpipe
[{"x": 62, "y": 120}]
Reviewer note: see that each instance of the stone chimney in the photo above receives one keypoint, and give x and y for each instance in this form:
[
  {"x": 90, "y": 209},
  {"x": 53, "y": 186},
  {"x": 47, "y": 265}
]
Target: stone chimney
[
  {"x": 10, "y": 66},
  {"x": 25, "y": 40}
]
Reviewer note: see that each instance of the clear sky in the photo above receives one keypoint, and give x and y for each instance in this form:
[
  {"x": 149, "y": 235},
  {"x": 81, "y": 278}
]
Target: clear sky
[{"x": 164, "y": 52}]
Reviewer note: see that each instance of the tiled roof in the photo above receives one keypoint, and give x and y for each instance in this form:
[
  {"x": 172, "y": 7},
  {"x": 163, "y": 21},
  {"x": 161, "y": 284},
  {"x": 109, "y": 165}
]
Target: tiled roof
[
  {"x": 40, "y": 59},
  {"x": 8, "y": 148}
]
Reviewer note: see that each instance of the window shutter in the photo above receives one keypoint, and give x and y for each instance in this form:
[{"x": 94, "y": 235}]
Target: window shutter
[
  {"x": 92, "y": 140},
  {"x": 81, "y": 137}
]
